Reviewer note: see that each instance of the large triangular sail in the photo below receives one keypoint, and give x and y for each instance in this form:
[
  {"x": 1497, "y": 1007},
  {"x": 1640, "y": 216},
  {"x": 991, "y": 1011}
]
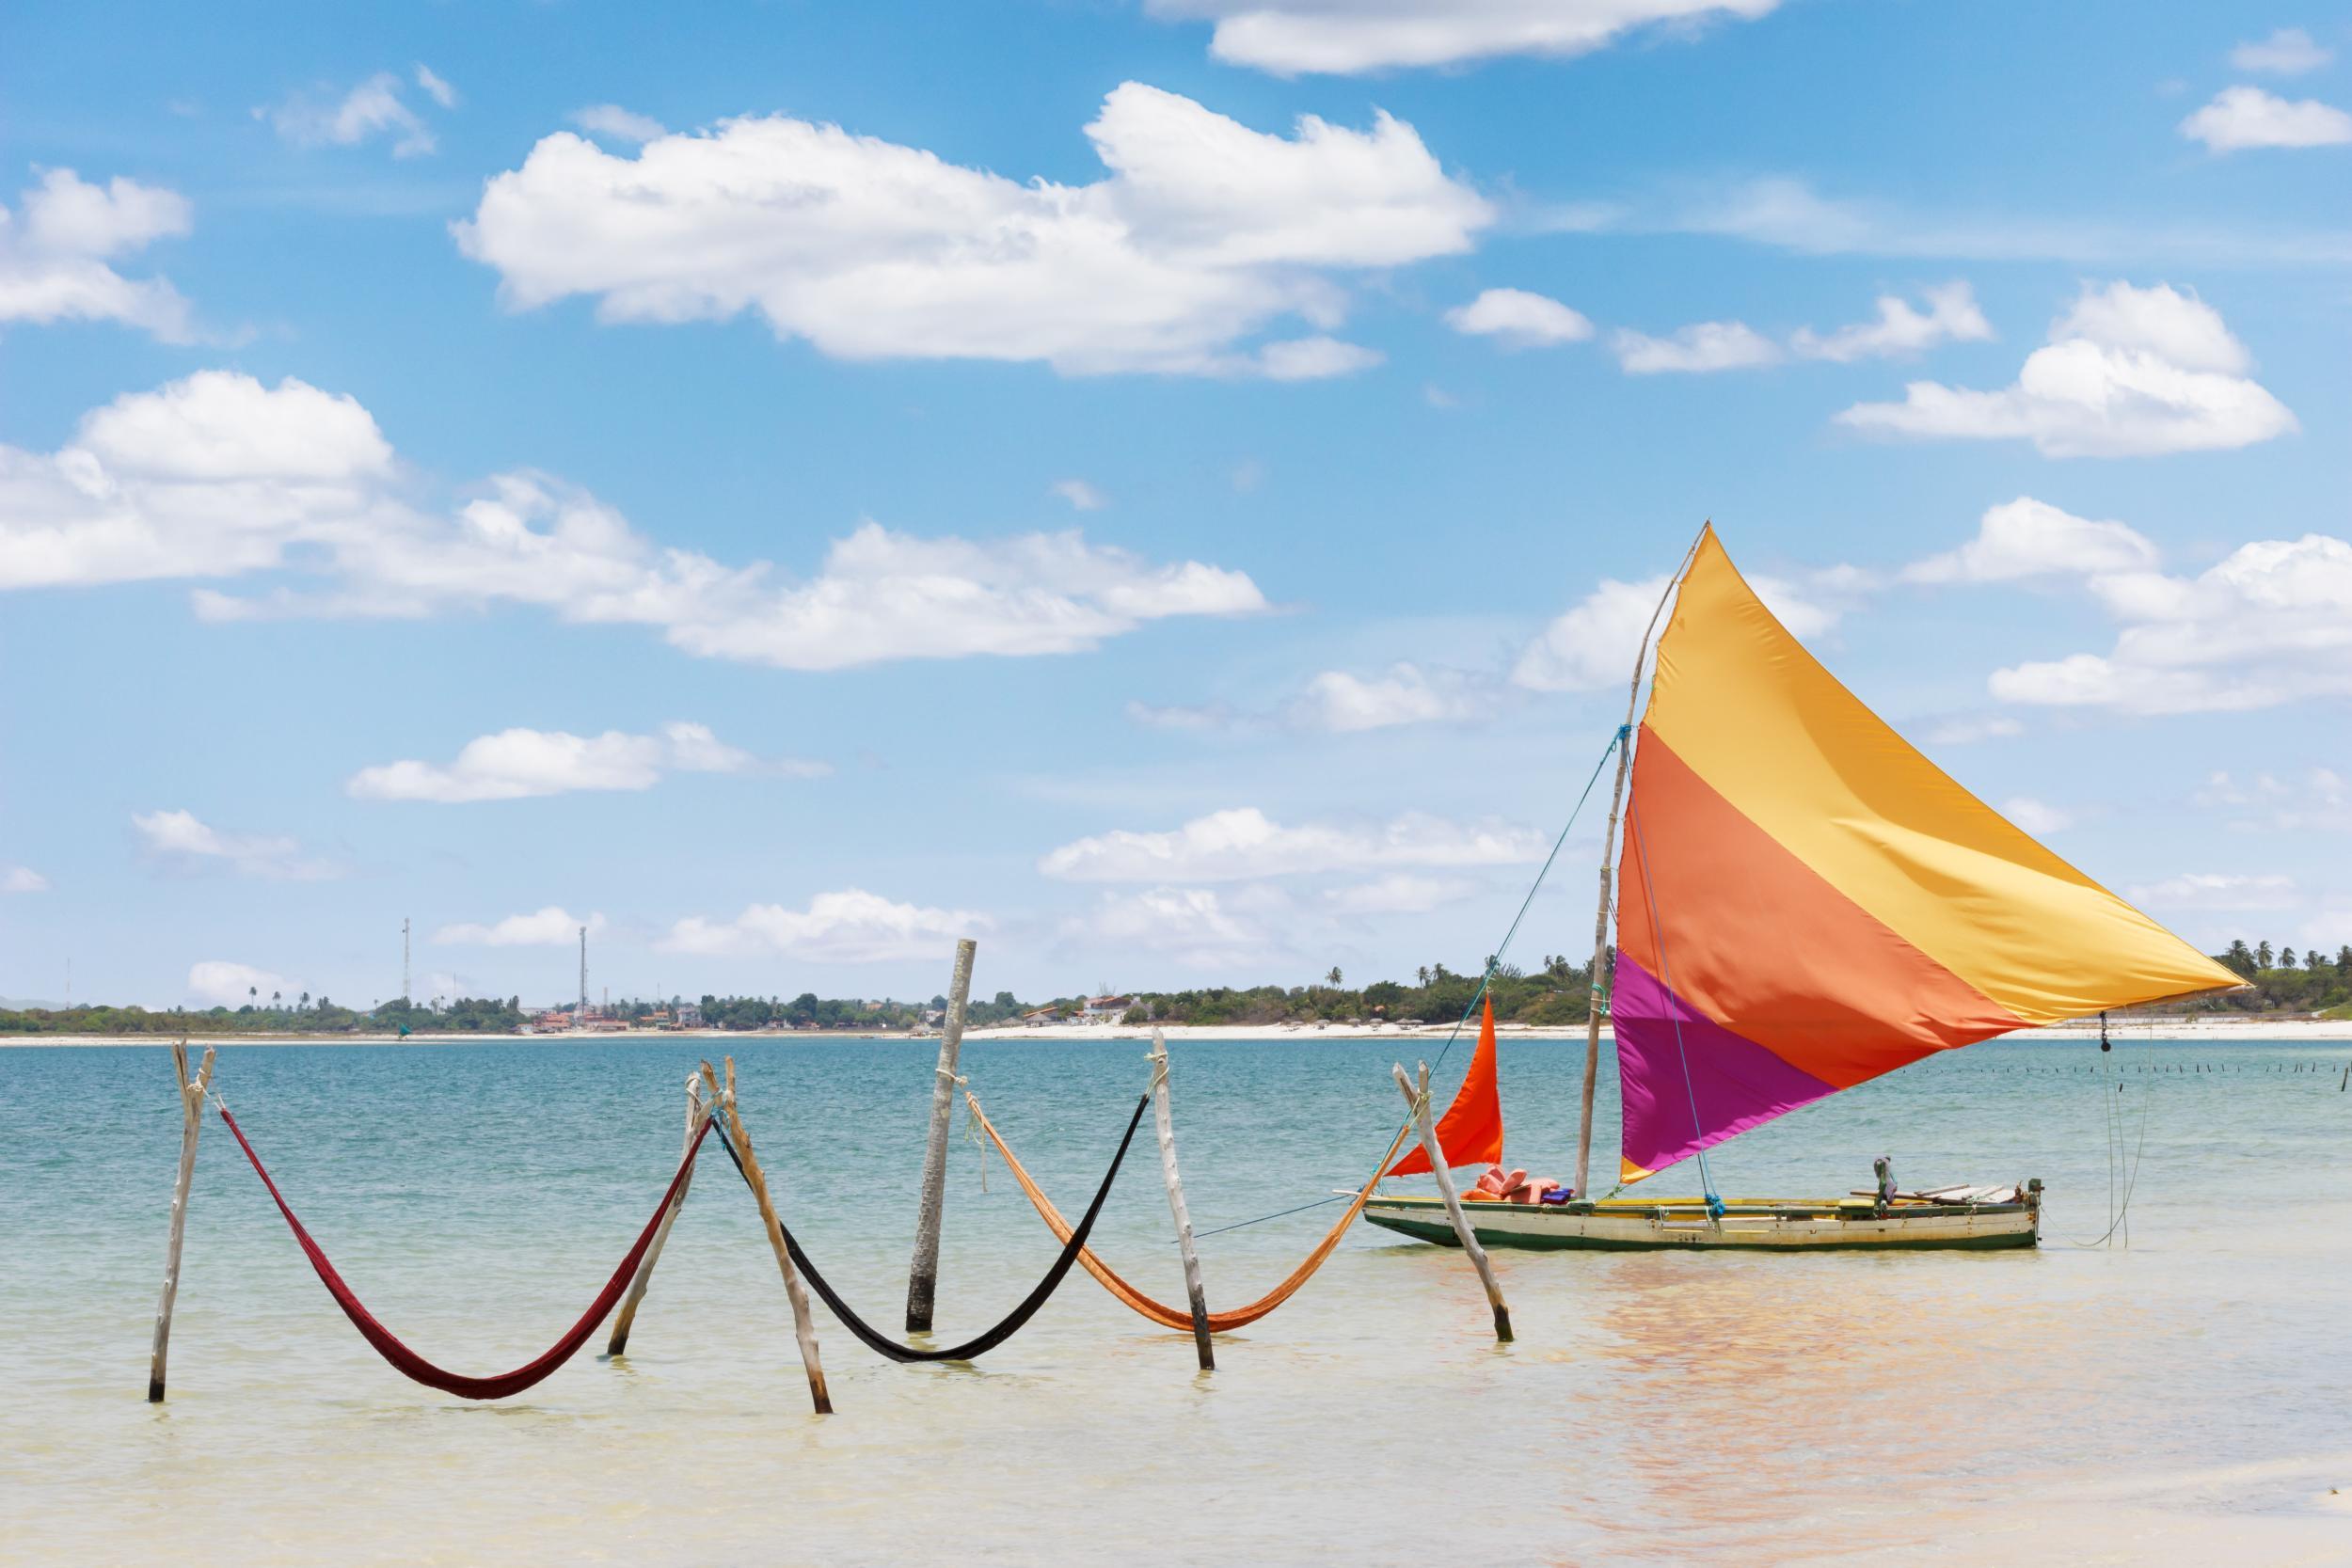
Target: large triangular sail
[{"x": 1805, "y": 902}]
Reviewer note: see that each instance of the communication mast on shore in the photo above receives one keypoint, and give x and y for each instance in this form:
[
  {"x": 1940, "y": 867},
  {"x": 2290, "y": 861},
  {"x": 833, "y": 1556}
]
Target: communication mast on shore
[
  {"x": 403, "y": 960},
  {"x": 583, "y": 972}
]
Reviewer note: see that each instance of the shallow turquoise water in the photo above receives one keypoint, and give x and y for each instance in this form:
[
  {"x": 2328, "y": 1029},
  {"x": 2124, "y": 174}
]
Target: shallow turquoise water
[{"x": 1657, "y": 1408}]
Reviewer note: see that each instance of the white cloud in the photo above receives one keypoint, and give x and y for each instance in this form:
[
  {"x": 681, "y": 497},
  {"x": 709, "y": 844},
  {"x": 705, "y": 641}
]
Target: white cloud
[
  {"x": 1353, "y": 36},
  {"x": 2270, "y": 624},
  {"x": 1315, "y": 358},
  {"x": 2127, "y": 372},
  {"x": 2216, "y": 891},
  {"x": 1951, "y": 316},
  {"x": 1202, "y": 234},
  {"x": 516, "y": 764},
  {"x": 1243, "y": 843},
  {"x": 1406, "y": 694},
  {"x": 2027, "y": 538},
  {"x": 1697, "y": 349},
  {"x": 216, "y": 476},
  {"x": 1967, "y": 729},
  {"x": 438, "y": 90},
  {"x": 372, "y": 108},
  {"x": 1399, "y": 893},
  {"x": 2036, "y": 816},
  {"x": 216, "y": 983},
  {"x": 2243, "y": 117},
  {"x": 2318, "y": 800},
  {"x": 1191, "y": 924},
  {"x": 610, "y": 120},
  {"x": 2288, "y": 51},
  {"x": 178, "y": 841},
  {"x": 552, "y": 927},
  {"x": 1080, "y": 495},
  {"x": 1591, "y": 644},
  {"x": 22, "y": 879},
  {"x": 849, "y": 926},
  {"x": 1517, "y": 319},
  {"x": 56, "y": 246},
  {"x": 1206, "y": 716}
]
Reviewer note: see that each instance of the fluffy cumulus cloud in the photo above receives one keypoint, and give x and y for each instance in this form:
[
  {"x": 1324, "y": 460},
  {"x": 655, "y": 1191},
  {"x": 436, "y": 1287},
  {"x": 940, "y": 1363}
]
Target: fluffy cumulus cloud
[
  {"x": 2319, "y": 800},
  {"x": 2037, "y": 816},
  {"x": 849, "y": 926},
  {"x": 21, "y": 879},
  {"x": 377, "y": 107},
  {"x": 218, "y": 983},
  {"x": 1694, "y": 350},
  {"x": 1398, "y": 892},
  {"x": 2244, "y": 118},
  {"x": 516, "y": 764},
  {"x": 1243, "y": 843},
  {"x": 179, "y": 841},
  {"x": 220, "y": 476},
  {"x": 1341, "y": 703},
  {"x": 1517, "y": 319},
  {"x": 1350, "y": 37},
  {"x": 552, "y": 927},
  {"x": 610, "y": 120},
  {"x": 2288, "y": 51},
  {"x": 1900, "y": 328},
  {"x": 2126, "y": 371},
  {"x": 1202, "y": 234},
  {"x": 2027, "y": 538},
  {"x": 1593, "y": 643},
  {"x": 2269, "y": 624},
  {"x": 1080, "y": 495},
  {"x": 58, "y": 247}
]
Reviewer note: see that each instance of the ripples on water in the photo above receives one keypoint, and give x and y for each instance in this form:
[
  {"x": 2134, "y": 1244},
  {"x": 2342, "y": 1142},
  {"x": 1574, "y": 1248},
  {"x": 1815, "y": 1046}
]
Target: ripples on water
[{"x": 2182, "y": 1399}]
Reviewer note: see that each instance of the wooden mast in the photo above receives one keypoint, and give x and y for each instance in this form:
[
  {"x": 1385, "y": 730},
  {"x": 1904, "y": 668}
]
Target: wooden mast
[
  {"x": 1193, "y": 1289},
  {"x": 1608, "y": 866},
  {"x": 192, "y": 1092},
  {"x": 696, "y": 1114},
  {"x": 923, "y": 1277}
]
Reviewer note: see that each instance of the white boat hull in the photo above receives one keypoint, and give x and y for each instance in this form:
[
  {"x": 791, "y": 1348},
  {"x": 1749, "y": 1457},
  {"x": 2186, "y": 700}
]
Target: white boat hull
[{"x": 1756, "y": 1224}]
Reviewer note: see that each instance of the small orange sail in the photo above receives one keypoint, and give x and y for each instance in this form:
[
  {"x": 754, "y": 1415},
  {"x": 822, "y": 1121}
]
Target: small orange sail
[{"x": 1470, "y": 1132}]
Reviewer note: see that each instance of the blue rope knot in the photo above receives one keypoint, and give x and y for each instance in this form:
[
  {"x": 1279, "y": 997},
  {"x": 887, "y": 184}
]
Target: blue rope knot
[
  {"x": 1714, "y": 1206},
  {"x": 1625, "y": 731}
]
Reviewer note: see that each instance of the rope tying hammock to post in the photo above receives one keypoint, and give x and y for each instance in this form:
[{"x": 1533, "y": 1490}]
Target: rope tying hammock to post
[
  {"x": 881, "y": 1344},
  {"x": 1160, "y": 1312},
  {"x": 407, "y": 1362}
]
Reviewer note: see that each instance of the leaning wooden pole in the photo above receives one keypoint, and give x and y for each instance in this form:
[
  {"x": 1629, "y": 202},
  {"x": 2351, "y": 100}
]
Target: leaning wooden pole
[
  {"x": 801, "y": 1326},
  {"x": 696, "y": 1114},
  {"x": 1418, "y": 1100},
  {"x": 191, "y": 1120},
  {"x": 1193, "y": 1289},
  {"x": 923, "y": 1278},
  {"x": 1607, "y": 869}
]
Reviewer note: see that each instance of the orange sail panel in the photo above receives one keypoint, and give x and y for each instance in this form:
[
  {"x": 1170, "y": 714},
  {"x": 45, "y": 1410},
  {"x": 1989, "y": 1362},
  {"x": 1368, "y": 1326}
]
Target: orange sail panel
[
  {"x": 1805, "y": 902},
  {"x": 1470, "y": 1132}
]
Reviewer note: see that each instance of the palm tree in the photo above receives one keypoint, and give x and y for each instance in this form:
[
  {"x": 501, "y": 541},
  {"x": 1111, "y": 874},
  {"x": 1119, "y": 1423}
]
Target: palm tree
[
  {"x": 252, "y": 994},
  {"x": 304, "y": 1003},
  {"x": 1335, "y": 977},
  {"x": 2286, "y": 957},
  {"x": 1423, "y": 972},
  {"x": 2261, "y": 954},
  {"x": 277, "y": 997}
]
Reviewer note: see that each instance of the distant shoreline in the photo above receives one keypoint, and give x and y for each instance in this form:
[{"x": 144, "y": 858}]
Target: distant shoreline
[{"x": 2198, "y": 1031}]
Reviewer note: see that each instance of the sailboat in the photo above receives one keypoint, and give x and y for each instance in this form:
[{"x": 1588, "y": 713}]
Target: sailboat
[{"x": 1803, "y": 903}]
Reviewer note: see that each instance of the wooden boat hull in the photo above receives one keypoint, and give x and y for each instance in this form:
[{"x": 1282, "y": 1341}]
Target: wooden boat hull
[{"x": 1747, "y": 1225}]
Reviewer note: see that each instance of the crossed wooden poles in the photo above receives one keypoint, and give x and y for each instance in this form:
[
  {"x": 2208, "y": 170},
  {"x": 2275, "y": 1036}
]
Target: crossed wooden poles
[{"x": 710, "y": 1096}]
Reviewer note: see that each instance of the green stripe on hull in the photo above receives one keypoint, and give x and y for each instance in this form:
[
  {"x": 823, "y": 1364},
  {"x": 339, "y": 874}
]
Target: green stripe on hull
[{"x": 1442, "y": 1234}]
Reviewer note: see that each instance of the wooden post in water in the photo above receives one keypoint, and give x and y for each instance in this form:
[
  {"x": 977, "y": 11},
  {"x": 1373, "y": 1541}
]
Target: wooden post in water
[
  {"x": 1419, "y": 1100},
  {"x": 191, "y": 1119},
  {"x": 1193, "y": 1289},
  {"x": 923, "y": 1278},
  {"x": 695, "y": 1115},
  {"x": 1600, "y": 916},
  {"x": 801, "y": 1327}
]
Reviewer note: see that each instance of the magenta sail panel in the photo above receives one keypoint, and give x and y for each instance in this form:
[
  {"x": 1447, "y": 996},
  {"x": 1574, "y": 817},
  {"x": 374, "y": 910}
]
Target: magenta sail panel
[{"x": 1735, "y": 1082}]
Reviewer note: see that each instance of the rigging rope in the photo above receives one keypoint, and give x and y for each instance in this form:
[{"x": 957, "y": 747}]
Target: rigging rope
[
  {"x": 1012, "y": 1322},
  {"x": 1160, "y": 1312},
  {"x": 407, "y": 1362}
]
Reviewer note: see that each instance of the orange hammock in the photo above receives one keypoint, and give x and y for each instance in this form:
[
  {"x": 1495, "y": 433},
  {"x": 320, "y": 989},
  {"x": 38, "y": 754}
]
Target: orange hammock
[{"x": 1159, "y": 1312}]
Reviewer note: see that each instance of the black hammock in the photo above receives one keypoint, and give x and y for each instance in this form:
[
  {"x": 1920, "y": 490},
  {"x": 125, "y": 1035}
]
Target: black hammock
[{"x": 881, "y": 1344}]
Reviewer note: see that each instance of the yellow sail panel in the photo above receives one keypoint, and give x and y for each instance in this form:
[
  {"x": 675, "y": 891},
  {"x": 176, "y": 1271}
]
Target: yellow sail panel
[{"x": 1746, "y": 709}]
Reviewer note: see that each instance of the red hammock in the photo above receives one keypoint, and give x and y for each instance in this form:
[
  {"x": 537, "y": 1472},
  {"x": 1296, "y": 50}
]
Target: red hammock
[{"x": 407, "y": 1362}]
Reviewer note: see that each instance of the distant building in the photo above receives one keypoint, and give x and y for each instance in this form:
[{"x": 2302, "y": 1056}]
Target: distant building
[
  {"x": 1100, "y": 1008},
  {"x": 690, "y": 1016},
  {"x": 1040, "y": 1015}
]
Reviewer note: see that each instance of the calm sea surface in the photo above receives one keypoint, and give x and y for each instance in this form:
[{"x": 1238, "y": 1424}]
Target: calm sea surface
[{"x": 2186, "y": 1399}]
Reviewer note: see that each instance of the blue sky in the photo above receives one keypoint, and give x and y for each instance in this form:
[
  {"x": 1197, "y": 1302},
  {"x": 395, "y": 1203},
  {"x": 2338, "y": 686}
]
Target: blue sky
[{"x": 1158, "y": 486}]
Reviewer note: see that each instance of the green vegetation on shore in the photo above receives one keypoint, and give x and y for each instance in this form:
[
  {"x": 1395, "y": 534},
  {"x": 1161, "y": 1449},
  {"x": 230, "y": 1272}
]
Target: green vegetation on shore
[{"x": 1554, "y": 995}]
